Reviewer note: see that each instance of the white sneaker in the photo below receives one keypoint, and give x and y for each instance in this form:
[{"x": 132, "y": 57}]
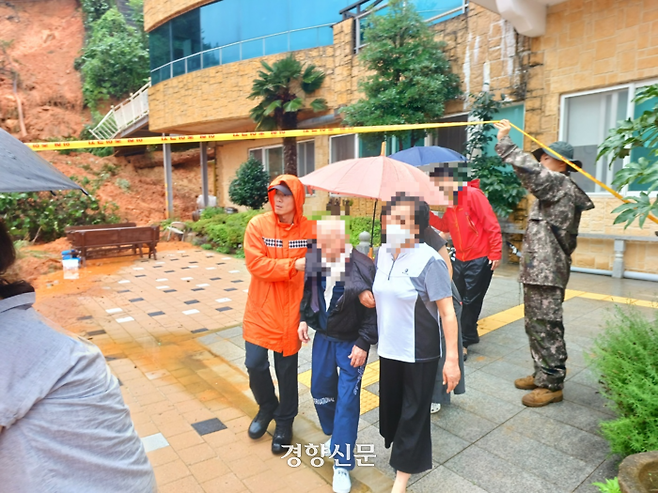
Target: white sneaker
[
  {"x": 326, "y": 448},
  {"x": 435, "y": 407},
  {"x": 342, "y": 482}
]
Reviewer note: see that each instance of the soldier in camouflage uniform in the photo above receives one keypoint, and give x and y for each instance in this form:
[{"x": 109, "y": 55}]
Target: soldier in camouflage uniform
[{"x": 549, "y": 241}]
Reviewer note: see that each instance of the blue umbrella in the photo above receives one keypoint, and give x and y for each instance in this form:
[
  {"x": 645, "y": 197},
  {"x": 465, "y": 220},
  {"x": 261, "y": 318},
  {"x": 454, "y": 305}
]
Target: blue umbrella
[{"x": 420, "y": 156}]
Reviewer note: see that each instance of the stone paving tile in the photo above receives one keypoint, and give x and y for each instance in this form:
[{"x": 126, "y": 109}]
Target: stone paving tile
[
  {"x": 587, "y": 377},
  {"x": 486, "y": 406},
  {"x": 445, "y": 445},
  {"x": 607, "y": 470},
  {"x": 494, "y": 386},
  {"x": 496, "y": 475},
  {"x": 586, "y": 396},
  {"x": 543, "y": 461},
  {"x": 463, "y": 423},
  {"x": 585, "y": 446},
  {"x": 444, "y": 480},
  {"x": 581, "y": 417}
]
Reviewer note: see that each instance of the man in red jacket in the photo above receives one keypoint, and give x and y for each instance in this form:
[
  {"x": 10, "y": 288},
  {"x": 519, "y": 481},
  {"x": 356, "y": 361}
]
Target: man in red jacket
[{"x": 476, "y": 236}]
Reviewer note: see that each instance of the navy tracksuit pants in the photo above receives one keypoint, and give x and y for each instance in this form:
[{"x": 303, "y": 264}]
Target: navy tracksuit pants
[{"x": 336, "y": 395}]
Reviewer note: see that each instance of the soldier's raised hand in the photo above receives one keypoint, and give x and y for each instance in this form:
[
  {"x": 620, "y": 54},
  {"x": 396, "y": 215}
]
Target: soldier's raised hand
[{"x": 503, "y": 127}]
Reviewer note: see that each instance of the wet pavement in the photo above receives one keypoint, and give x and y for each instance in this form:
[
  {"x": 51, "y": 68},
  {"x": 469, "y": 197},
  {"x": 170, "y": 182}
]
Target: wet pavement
[{"x": 170, "y": 330}]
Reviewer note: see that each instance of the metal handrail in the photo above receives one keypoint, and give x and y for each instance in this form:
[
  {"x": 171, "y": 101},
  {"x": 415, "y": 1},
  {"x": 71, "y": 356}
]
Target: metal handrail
[
  {"x": 240, "y": 43},
  {"x": 123, "y": 115},
  {"x": 357, "y": 5}
]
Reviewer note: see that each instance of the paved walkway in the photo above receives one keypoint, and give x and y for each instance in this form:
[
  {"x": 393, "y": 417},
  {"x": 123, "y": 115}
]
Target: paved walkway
[{"x": 170, "y": 331}]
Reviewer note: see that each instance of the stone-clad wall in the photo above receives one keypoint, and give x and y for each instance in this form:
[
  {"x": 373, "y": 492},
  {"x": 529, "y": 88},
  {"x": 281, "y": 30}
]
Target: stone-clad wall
[
  {"x": 485, "y": 52},
  {"x": 591, "y": 44},
  {"x": 218, "y": 95}
]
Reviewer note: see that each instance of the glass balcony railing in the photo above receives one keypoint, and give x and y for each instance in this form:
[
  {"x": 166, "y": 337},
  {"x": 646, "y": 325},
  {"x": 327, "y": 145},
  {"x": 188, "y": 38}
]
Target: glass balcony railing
[{"x": 298, "y": 39}]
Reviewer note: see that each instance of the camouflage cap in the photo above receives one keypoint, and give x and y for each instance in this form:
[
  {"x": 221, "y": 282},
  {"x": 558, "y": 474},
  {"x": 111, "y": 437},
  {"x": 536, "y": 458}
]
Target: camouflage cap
[{"x": 562, "y": 148}]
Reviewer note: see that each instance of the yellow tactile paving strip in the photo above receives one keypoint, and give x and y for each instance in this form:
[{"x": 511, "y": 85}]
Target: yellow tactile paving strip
[{"x": 370, "y": 401}]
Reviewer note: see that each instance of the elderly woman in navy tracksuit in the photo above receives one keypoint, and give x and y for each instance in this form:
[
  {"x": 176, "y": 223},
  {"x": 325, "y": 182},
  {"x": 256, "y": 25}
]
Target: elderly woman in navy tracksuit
[{"x": 336, "y": 277}]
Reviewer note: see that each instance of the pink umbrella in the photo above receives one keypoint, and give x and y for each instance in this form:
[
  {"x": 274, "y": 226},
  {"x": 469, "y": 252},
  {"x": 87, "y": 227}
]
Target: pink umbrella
[{"x": 377, "y": 178}]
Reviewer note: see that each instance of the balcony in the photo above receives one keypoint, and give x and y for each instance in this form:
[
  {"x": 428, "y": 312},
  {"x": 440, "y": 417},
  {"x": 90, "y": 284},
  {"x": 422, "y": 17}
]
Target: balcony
[{"x": 234, "y": 30}]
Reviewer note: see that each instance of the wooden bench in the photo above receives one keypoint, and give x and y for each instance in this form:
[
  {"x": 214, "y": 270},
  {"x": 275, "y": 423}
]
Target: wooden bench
[
  {"x": 69, "y": 230},
  {"x": 97, "y": 243}
]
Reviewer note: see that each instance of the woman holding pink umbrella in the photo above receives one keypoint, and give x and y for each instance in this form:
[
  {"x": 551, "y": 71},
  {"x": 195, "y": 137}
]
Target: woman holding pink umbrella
[{"x": 413, "y": 296}]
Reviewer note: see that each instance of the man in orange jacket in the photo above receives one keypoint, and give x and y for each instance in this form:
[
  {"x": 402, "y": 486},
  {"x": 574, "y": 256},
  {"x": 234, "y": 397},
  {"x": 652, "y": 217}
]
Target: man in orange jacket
[
  {"x": 475, "y": 232},
  {"x": 275, "y": 245}
]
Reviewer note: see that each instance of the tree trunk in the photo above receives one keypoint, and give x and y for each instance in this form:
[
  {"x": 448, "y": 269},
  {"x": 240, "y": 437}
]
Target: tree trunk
[{"x": 290, "y": 155}]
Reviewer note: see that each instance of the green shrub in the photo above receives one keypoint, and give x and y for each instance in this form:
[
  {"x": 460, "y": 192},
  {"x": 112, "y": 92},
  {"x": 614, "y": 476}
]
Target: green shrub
[
  {"x": 114, "y": 61},
  {"x": 137, "y": 14},
  {"x": 94, "y": 9},
  {"x": 249, "y": 188},
  {"x": 610, "y": 486},
  {"x": 43, "y": 216},
  {"x": 497, "y": 179},
  {"x": 626, "y": 355},
  {"x": 356, "y": 225},
  {"x": 224, "y": 232}
]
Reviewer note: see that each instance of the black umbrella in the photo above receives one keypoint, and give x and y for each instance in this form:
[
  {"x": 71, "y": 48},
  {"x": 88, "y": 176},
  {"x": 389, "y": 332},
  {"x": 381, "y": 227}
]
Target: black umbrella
[{"x": 23, "y": 170}]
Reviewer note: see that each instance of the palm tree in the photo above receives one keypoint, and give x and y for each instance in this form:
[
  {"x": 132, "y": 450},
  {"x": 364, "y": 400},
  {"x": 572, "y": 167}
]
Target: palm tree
[{"x": 280, "y": 105}]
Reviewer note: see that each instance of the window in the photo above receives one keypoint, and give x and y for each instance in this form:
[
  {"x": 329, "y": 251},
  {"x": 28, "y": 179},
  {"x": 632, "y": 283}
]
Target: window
[
  {"x": 343, "y": 147},
  {"x": 586, "y": 120},
  {"x": 351, "y": 146},
  {"x": 272, "y": 159},
  {"x": 516, "y": 115},
  {"x": 305, "y": 157},
  {"x": 159, "y": 47},
  {"x": 450, "y": 137},
  {"x": 186, "y": 35},
  {"x": 639, "y": 152}
]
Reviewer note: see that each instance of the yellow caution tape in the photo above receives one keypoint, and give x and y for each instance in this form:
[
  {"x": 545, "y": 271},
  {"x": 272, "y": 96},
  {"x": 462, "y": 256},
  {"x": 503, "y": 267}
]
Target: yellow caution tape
[
  {"x": 278, "y": 134},
  {"x": 275, "y": 134}
]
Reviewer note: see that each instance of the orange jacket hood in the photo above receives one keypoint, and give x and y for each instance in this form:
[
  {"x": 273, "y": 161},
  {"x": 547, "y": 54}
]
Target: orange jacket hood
[{"x": 297, "y": 189}]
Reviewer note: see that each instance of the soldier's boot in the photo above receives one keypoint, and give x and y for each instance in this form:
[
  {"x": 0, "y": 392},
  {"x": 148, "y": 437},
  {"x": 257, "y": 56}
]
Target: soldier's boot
[
  {"x": 525, "y": 383},
  {"x": 541, "y": 397}
]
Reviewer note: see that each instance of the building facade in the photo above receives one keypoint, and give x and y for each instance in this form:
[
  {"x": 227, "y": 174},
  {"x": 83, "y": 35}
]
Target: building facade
[{"x": 568, "y": 68}]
